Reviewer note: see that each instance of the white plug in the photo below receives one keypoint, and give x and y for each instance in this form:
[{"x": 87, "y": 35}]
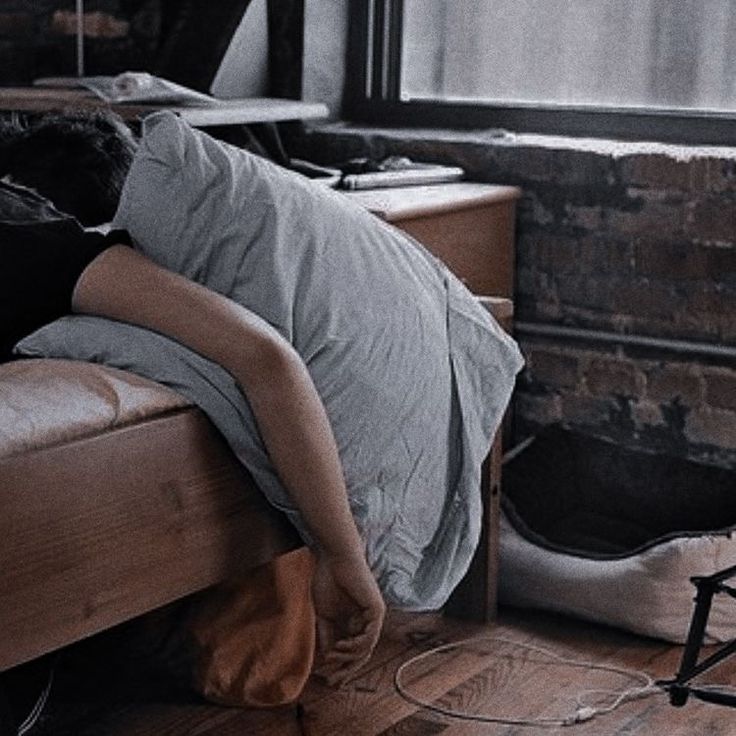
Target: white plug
[{"x": 581, "y": 715}]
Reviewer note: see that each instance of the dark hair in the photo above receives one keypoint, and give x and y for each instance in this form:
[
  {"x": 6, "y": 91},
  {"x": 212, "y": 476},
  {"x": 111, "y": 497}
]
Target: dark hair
[{"x": 77, "y": 160}]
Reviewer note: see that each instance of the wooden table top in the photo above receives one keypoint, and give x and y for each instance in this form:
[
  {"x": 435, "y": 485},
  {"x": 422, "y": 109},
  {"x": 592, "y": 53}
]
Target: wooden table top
[{"x": 221, "y": 112}]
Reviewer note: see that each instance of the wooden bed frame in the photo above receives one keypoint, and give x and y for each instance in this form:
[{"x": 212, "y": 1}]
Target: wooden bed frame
[{"x": 100, "y": 530}]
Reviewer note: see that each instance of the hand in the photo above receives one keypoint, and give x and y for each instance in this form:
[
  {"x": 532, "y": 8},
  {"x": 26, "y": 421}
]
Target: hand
[{"x": 350, "y": 612}]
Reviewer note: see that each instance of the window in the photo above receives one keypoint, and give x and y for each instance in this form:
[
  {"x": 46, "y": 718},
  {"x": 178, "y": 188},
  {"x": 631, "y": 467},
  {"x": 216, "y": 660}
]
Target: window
[{"x": 627, "y": 68}]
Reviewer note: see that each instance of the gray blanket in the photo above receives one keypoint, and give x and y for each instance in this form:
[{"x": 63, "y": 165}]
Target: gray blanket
[{"x": 414, "y": 374}]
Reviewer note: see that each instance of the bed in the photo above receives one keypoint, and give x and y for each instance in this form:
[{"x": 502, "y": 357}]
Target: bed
[
  {"x": 147, "y": 499},
  {"x": 119, "y": 496}
]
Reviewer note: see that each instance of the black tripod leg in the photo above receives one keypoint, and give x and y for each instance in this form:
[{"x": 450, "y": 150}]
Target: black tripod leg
[{"x": 703, "y": 599}]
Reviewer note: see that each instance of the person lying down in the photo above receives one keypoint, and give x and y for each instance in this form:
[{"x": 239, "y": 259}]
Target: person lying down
[{"x": 356, "y": 378}]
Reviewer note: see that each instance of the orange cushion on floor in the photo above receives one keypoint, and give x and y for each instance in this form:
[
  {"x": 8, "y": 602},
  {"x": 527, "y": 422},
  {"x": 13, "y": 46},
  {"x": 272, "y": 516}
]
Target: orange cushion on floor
[{"x": 254, "y": 637}]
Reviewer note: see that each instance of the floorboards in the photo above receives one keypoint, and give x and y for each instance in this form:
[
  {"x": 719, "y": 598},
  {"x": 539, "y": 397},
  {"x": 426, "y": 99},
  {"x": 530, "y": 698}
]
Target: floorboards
[{"x": 98, "y": 693}]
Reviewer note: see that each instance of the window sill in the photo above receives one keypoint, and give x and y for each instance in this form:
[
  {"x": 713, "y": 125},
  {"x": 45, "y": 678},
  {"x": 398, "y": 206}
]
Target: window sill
[{"x": 498, "y": 138}]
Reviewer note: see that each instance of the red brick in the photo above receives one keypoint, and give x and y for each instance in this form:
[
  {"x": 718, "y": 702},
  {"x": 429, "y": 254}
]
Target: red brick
[
  {"x": 675, "y": 381},
  {"x": 699, "y": 326},
  {"x": 647, "y": 414},
  {"x": 662, "y": 218},
  {"x": 715, "y": 427},
  {"x": 711, "y": 220},
  {"x": 592, "y": 291},
  {"x": 556, "y": 253},
  {"x": 710, "y": 298},
  {"x": 537, "y": 410},
  {"x": 646, "y": 298},
  {"x": 721, "y": 388},
  {"x": 657, "y": 171},
  {"x": 585, "y": 410},
  {"x": 721, "y": 263},
  {"x": 602, "y": 253},
  {"x": 587, "y": 218},
  {"x": 671, "y": 259},
  {"x": 710, "y": 311},
  {"x": 554, "y": 369},
  {"x": 16, "y": 24},
  {"x": 533, "y": 210},
  {"x": 613, "y": 377},
  {"x": 721, "y": 175},
  {"x": 582, "y": 168},
  {"x": 96, "y": 24},
  {"x": 532, "y": 164},
  {"x": 727, "y": 328}
]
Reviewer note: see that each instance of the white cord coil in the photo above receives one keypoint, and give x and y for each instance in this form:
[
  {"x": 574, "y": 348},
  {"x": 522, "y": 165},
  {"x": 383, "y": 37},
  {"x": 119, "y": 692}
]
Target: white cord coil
[{"x": 583, "y": 712}]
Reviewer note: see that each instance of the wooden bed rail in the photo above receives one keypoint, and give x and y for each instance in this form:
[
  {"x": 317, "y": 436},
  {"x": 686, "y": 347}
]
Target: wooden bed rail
[{"x": 476, "y": 596}]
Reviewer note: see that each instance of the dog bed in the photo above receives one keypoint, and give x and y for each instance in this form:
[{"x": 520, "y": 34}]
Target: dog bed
[{"x": 613, "y": 535}]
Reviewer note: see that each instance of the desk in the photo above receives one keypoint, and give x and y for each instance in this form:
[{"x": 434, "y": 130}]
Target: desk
[{"x": 223, "y": 112}]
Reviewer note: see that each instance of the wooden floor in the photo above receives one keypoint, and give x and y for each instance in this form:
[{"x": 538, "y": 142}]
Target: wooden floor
[{"x": 490, "y": 677}]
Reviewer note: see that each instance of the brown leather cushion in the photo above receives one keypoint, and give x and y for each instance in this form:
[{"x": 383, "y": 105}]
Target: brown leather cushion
[{"x": 45, "y": 402}]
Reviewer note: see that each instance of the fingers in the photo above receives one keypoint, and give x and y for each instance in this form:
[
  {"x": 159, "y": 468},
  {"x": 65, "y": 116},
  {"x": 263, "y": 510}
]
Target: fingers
[
  {"x": 342, "y": 661},
  {"x": 339, "y": 676}
]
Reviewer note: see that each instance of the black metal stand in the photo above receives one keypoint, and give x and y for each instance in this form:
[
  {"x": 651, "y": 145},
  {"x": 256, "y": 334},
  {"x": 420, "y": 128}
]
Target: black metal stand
[{"x": 679, "y": 689}]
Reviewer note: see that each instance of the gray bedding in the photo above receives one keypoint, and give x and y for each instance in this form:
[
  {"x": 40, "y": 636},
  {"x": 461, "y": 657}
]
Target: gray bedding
[{"x": 414, "y": 374}]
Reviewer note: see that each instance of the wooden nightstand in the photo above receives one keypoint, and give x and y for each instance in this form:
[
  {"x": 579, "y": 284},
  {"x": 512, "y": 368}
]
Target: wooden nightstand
[{"x": 471, "y": 228}]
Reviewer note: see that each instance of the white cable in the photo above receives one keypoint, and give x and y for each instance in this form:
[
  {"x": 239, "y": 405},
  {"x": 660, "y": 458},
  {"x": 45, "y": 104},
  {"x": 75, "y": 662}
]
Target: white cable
[
  {"x": 582, "y": 712},
  {"x": 32, "y": 717}
]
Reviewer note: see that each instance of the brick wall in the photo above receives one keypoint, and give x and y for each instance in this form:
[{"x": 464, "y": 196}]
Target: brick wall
[
  {"x": 37, "y": 38},
  {"x": 615, "y": 238}
]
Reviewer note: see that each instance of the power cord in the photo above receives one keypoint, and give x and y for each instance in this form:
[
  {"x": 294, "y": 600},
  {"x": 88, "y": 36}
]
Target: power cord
[
  {"x": 32, "y": 718},
  {"x": 583, "y": 712}
]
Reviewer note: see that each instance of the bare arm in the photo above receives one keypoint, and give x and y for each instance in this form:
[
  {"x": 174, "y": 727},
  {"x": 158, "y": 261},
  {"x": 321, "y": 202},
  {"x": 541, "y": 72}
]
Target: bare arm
[{"x": 121, "y": 284}]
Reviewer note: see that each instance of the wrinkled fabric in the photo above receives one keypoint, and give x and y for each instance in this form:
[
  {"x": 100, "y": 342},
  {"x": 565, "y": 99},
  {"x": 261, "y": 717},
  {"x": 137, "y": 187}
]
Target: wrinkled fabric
[{"x": 413, "y": 373}]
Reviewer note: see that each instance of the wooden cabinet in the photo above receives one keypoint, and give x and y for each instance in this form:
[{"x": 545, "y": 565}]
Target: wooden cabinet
[{"x": 471, "y": 228}]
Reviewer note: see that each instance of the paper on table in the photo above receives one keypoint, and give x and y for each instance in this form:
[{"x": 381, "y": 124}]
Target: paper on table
[{"x": 133, "y": 87}]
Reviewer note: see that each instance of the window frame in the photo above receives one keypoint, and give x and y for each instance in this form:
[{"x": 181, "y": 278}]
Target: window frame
[{"x": 372, "y": 96}]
